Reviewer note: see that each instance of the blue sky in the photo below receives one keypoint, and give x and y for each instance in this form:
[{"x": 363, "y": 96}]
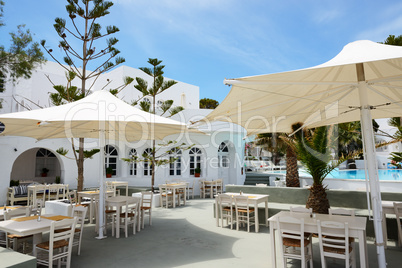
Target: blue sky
[{"x": 202, "y": 42}]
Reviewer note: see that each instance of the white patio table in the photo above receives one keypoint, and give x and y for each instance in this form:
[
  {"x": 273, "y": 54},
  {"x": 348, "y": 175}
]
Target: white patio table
[
  {"x": 387, "y": 208},
  {"x": 119, "y": 202},
  {"x": 176, "y": 186},
  {"x": 114, "y": 184},
  {"x": 357, "y": 229},
  {"x": 92, "y": 195},
  {"x": 30, "y": 226},
  {"x": 256, "y": 199}
]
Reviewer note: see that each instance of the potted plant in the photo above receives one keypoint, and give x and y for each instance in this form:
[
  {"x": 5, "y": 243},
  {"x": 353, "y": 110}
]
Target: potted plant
[
  {"x": 57, "y": 180},
  {"x": 44, "y": 172},
  {"x": 109, "y": 172},
  {"x": 197, "y": 172}
]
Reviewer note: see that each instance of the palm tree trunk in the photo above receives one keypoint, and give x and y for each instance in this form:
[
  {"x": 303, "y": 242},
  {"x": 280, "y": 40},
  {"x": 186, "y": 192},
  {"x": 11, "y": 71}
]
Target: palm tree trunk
[
  {"x": 317, "y": 199},
  {"x": 292, "y": 170}
]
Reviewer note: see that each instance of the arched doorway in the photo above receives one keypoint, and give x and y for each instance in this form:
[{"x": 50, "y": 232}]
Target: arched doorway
[
  {"x": 30, "y": 164},
  {"x": 223, "y": 161}
]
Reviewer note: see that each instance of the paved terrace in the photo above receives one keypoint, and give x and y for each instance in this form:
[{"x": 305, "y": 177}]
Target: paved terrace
[{"x": 188, "y": 237}]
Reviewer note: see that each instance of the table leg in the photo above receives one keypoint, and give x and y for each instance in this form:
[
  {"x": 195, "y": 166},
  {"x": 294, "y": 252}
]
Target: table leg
[
  {"x": 384, "y": 228},
  {"x": 174, "y": 197},
  {"x": 91, "y": 211},
  {"x": 118, "y": 222},
  {"x": 363, "y": 249},
  {"x": 266, "y": 213},
  {"x": 257, "y": 222},
  {"x": 216, "y": 212},
  {"x": 273, "y": 249},
  {"x": 37, "y": 238},
  {"x": 185, "y": 194}
]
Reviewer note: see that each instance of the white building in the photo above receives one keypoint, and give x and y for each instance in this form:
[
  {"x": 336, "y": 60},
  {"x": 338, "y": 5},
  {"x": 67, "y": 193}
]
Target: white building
[{"x": 219, "y": 153}]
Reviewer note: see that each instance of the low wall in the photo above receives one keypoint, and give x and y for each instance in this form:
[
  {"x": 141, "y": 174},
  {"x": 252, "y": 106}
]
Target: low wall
[{"x": 281, "y": 198}]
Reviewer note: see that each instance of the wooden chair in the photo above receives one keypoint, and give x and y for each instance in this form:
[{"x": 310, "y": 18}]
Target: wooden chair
[
  {"x": 128, "y": 217},
  {"x": 341, "y": 211},
  {"x": 166, "y": 198},
  {"x": 301, "y": 210},
  {"x": 295, "y": 244},
  {"x": 146, "y": 207},
  {"x": 226, "y": 209},
  {"x": 334, "y": 242},
  {"x": 219, "y": 186},
  {"x": 245, "y": 214},
  {"x": 190, "y": 190},
  {"x": 398, "y": 214},
  {"x": 13, "y": 238},
  {"x": 60, "y": 244},
  {"x": 202, "y": 189},
  {"x": 80, "y": 212}
]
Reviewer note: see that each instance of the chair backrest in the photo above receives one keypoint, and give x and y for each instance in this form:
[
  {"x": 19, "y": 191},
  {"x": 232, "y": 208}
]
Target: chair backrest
[
  {"x": 291, "y": 227},
  {"x": 53, "y": 189},
  {"x": 241, "y": 201},
  {"x": 72, "y": 197},
  {"x": 398, "y": 214},
  {"x": 15, "y": 213},
  {"x": 341, "y": 211},
  {"x": 68, "y": 226},
  {"x": 146, "y": 200},
  {"x": 334, "y": 237},
  {"x": 225, "y": 200},
  {"x": 40, "y": 189},
  {"x": 80, "y": 212},
  {"x": 301, "y": 210}
]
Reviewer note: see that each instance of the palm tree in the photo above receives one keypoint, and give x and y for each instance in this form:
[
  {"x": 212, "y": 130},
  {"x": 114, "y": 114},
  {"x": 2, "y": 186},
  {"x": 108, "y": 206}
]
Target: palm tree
[
  {"x": 278, "y": 144},
  {"x": 314, "y": 147}
]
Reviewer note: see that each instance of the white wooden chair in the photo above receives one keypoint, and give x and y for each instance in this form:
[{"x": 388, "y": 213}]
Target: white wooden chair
[
  {"x": 226, "y": 209},
  {"x": 245, "y": 213},
  {"x": 301, "y": 210},
  {"x": 166, "y": 198},
  {"x": 219, "y": 186},
  {"x": 128, "y": 217},
  {"x": 294, "y": 243},
  {"x": 341, "y": 211},
  {"x": 17, "y": 239},
  {"x": 190, "y": 190},
  {"x": 60, "y": 244},
  {"x": 335, "y": 242},
  {"x": 398, "y": 214},
  {"x": 80, "y": 212},
  {"x": 146, "y": 207}
]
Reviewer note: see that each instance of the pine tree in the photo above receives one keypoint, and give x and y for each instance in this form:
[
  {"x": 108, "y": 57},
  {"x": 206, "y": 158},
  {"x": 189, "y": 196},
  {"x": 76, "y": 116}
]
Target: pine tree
[{"x": 84, "y": 28}]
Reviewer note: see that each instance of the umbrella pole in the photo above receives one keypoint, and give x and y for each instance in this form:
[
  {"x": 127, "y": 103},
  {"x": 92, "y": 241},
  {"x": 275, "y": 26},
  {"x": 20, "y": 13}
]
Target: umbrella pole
[
  {"x": 371, "y": 166},
  {"x": 101, "y": 208}
]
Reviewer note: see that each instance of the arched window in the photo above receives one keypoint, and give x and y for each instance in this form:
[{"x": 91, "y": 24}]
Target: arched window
[
  {"x": 223, "y": 155},
  {"x": 195, "y": 159},
  {"x": 147, "y": 164},
  {"x": 111, "y": 156},
  {"x": 133, "y": 165},
  {"x": 175, "y": 165},
  {"x": 45, "y": 160}
]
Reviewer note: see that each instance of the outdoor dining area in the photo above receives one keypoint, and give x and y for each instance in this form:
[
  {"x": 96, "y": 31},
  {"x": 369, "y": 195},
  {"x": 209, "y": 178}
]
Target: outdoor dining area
[{"x": 293, "y": 232}]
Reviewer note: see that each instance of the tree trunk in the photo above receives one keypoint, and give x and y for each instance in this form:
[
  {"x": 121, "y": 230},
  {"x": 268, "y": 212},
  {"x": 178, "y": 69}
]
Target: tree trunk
[
  {"x": 153, "y": 166},
  {"x": 292, "y": 170},
  {"x": 80, "y": 164},
  {"x": 317, "y": 199}
]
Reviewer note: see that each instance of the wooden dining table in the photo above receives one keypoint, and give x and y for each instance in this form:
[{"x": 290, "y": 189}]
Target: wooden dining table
[
  {"x": 92, "y": 195},
  {"x": 387, "y": 208},
  {"x": 357, "y": 229},
  {"x": 25, "y": 226},
  {"x": 176, "y": 186},
  {"x": 119, "y": 202},
  {"x": 255, "y": 200}
]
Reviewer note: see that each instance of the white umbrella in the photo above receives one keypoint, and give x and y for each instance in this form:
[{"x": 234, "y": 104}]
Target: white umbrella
[
  {"x": 101, "y": 116},
  {"x": 362, "y": 82}
]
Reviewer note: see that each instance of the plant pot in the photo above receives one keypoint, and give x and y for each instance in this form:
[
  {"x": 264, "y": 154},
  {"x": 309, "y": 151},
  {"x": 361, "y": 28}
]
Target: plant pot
[
  {"x": 43, "y": 174},
  {"x": 197, "y": 175},
  {"x": 108, "y": 175}
]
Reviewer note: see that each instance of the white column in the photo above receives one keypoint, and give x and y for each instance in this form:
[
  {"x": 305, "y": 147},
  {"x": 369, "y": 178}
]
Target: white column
[{"x": 372, "y": 170}]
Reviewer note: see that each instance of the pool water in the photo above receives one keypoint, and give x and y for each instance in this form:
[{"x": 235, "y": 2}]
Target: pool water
[{"x": 357, "y": 174}]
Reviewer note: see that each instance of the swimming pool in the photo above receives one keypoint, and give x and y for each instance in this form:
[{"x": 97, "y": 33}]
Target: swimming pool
[{"x": 356, "y": 174}]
